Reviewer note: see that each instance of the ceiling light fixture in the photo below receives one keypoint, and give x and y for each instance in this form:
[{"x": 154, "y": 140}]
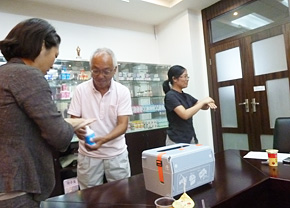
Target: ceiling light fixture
[
  {"x": 165, "y": 3},
  {"x": 252, "y": 21},
  {"x": 126, "y": 1}
]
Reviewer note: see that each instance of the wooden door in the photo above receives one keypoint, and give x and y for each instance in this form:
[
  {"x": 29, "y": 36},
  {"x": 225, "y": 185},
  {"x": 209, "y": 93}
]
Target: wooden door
[{"x": 254, "y": 91}]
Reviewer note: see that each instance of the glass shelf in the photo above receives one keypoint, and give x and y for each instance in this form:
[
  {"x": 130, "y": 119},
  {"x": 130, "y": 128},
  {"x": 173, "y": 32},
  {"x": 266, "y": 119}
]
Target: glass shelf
[
  {"x": 63, "y": 79},
  {"x": 143, "y": 80},
  {"x": 145, "y": 84}
]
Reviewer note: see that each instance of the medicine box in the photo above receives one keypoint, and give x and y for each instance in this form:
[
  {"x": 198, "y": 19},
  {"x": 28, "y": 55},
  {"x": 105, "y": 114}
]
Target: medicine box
[{"x": 171, "y": 170}]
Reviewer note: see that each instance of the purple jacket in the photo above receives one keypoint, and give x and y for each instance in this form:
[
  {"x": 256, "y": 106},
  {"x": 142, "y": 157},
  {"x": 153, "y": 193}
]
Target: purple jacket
[{"x": 30, "y": 127}]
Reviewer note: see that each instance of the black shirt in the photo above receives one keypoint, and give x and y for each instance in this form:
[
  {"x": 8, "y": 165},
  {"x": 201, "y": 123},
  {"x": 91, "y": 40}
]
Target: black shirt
[{"x": 179, "y": 130}]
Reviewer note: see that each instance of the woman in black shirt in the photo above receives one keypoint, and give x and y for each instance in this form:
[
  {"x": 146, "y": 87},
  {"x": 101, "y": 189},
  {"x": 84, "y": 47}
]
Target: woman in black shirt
[{"x": 180, "y": 107}]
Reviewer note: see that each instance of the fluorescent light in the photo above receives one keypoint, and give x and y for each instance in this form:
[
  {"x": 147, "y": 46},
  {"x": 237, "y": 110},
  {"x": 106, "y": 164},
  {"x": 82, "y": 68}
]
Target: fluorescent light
[
  {"x": 165, "y": 3},
  {"x": 251, "y": 21}
]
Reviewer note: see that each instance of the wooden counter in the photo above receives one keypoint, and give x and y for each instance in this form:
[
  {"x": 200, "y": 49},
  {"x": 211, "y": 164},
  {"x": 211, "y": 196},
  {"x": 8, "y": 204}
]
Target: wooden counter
[{"x": 238, "y": 183}]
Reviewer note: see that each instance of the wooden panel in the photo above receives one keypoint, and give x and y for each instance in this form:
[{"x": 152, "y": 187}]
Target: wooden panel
[
  {"x": 268, "y": 194},
  {"x": 136, "y": 143},
  {"x": 140, "y": 141},
  {"x": 63, "y": 173},
  {"x": 222, "y": 7}
]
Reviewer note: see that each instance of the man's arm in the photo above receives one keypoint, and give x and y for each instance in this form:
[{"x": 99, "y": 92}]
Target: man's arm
[{"x": 121, "y": 127}]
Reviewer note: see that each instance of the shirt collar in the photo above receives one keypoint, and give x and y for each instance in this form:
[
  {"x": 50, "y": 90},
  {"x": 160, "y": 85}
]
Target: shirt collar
[{"x": 112, "y": 87}]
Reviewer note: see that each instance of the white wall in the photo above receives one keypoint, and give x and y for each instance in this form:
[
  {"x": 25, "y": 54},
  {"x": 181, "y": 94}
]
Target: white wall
[
  {"x": 130, "y": 41},
  {"x": 181, "y": 42},
  {"x": 178, "y": 41}
]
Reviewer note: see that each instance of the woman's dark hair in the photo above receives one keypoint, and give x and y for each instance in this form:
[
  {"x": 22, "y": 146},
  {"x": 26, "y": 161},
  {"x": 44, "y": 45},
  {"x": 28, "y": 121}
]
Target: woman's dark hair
[
  {"x": 26, "y": 38},
  {"x": 175, "y": 71}
]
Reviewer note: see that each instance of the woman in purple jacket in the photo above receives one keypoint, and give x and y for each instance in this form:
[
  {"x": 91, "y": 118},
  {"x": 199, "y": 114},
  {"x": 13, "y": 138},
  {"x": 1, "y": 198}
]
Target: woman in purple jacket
[{"x": 30, "y": 125}]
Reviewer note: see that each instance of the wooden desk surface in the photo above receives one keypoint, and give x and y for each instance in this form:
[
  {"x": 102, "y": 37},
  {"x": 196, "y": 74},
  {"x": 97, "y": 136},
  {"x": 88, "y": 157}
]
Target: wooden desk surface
[
  {"x": 233, "y": 176},
  {"x": 282, "y": 171}
]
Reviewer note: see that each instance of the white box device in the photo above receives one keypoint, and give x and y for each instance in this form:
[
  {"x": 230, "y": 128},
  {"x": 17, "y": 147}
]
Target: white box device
[{"x": 171, "y": 170}]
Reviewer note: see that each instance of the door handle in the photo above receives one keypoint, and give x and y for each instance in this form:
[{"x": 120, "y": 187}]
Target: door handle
[
  {"x": 254, "y": 104},
  {"x": 246, "y": 104}
]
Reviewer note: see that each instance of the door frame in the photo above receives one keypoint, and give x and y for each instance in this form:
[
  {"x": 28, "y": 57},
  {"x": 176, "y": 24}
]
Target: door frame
[{"x": 209, "y": 13}]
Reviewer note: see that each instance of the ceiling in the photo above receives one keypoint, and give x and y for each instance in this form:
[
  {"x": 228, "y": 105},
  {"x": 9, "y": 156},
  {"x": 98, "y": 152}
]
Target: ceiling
[{"x": 134, "y": 10}]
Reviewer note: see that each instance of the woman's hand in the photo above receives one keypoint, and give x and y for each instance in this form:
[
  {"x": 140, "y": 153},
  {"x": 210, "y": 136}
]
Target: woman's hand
[
  {"x": 81, "y": 133},
  {"x": 208, "y": 102},
  {"x": 212, "y": 106}
]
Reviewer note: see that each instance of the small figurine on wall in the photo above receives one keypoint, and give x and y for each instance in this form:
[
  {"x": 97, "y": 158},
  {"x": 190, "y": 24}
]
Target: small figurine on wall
[{"x": 78, "y": 53}]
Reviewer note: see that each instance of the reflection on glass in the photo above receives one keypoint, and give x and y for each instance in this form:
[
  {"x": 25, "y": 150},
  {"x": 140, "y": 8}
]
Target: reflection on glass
[
  {"x": 252, "y": 21},
  {"x": 278, "y": 96},
  {"x": 2, "y": 60},
  {"x": 266, "y": 142},
  {"x": 269, "y": 55},
  {"x": 284, "y": 2},
  {"x": 235, "y": 141},
  {"x": 228, "y": 107},
  {"x": 248, "y": 17},
  {"x": 228, "y": 64}
]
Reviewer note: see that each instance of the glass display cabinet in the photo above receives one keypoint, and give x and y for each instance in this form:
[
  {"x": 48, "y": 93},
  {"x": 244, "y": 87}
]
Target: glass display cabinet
[
  {"x": 143, "y": 80},
  {"x": 145, "y": 84},
  {"x": 63, "y": 79}
]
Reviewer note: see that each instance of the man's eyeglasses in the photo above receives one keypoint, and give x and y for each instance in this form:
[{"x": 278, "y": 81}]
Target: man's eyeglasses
[{"x": 106, "y": 72}]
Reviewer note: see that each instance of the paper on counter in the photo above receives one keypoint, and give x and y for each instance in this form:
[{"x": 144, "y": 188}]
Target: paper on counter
[{"x": 264, "y": 155}]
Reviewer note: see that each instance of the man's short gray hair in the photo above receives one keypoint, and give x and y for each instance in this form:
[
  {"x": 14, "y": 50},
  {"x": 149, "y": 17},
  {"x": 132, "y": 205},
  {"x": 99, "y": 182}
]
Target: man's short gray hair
[{"x": 107, "y": 51}]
